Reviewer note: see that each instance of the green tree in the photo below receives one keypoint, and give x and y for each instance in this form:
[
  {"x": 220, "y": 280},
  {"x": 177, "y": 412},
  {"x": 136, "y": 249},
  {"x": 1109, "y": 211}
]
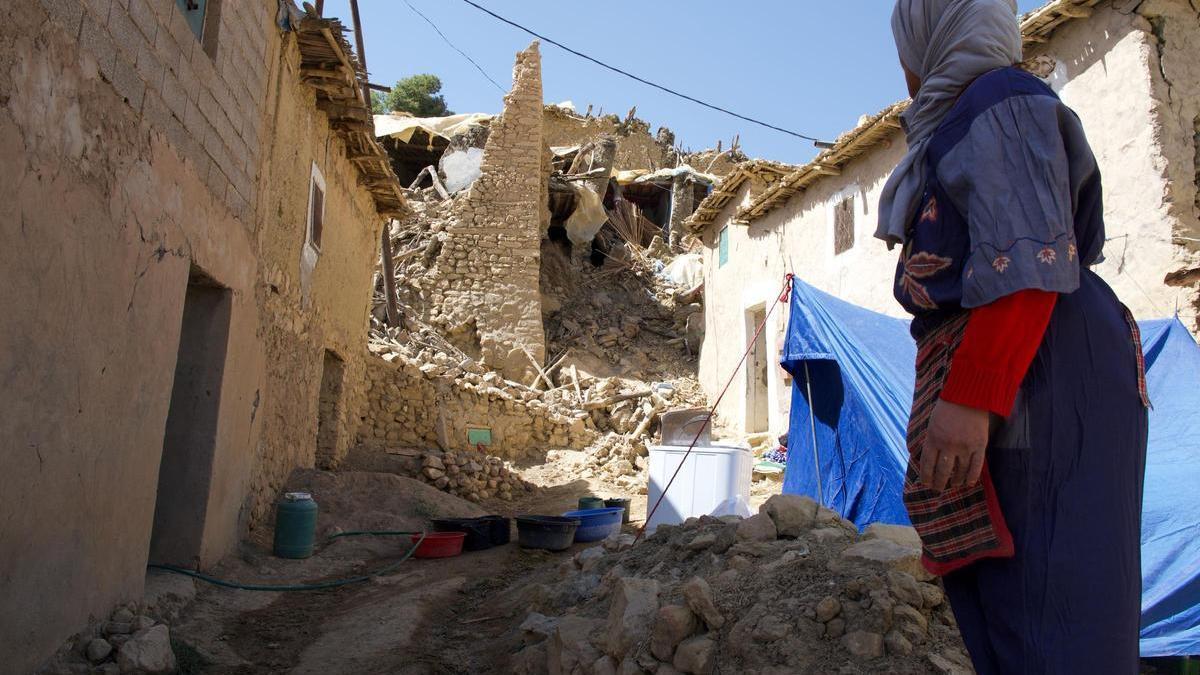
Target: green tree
[{"x": 417, "y": 95}]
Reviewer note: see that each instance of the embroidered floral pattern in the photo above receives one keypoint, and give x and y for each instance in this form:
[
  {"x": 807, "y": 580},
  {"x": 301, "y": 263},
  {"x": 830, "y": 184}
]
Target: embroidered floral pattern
[
  {"x": 1000, "y": 263},
  {"x": 922, "y": 265},
  {"x": 1047, "y": 255},
  {"x": 1071, "y": 251},
  {"x": 917, "y": 292},
  {"x": 930, "y": 213}
]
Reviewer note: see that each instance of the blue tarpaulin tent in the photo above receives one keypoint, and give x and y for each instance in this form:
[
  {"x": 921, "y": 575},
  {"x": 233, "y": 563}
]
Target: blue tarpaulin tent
[{"x": 858, "y": 366}]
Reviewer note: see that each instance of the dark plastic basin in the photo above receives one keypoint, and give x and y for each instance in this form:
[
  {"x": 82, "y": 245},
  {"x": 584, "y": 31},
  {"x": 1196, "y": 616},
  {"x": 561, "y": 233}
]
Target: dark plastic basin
[
  {"x": 588, "y": 503},
  {"x": 596, "y": 524},
  {"x": 482, "y": 533},
  {"x": 619, "y": 502},
  {"x": 551, "y": 533}
]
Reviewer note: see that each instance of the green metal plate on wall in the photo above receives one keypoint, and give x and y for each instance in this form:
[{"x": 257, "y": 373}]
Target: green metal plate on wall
[{"x": 476, "y": 436}]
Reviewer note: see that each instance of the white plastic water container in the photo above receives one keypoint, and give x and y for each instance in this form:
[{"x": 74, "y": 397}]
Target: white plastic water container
[{"x": 711, "y": 475}]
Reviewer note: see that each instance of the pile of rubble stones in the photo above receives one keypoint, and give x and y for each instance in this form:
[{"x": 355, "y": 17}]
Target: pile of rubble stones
[
  {"x": 128, "y": 642},
  {"x": 474, "y": 476},
  {"x": 793, "y": 589}
]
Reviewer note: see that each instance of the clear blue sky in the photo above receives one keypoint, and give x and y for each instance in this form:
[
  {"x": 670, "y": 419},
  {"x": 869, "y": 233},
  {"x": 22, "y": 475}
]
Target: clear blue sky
[{"x": 808, "y": 65}]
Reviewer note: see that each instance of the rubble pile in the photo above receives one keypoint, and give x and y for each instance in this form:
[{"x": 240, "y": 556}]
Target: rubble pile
[
  {"x": 793, "y": 589},
  {"x": 128, "y": 642},
  {"x": 471, "y": 475}
]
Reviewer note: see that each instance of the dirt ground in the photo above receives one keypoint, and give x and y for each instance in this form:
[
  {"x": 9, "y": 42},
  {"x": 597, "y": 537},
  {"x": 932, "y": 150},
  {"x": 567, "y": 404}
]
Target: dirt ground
[{"x": 428, "y": 616}]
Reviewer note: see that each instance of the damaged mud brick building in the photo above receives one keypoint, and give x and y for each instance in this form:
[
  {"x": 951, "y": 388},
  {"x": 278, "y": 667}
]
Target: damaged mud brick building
[
  {"x": 498, "y": 265},
  {"x": 1130, "y": 69},
  {"x": 193, "y": 209}
]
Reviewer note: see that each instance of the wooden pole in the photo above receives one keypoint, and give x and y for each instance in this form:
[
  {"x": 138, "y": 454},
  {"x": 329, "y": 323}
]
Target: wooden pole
[
  {"x": 389, "y": 275},
  {"x": 320, "y": 7},
  {"x": 362, "y": 55}
]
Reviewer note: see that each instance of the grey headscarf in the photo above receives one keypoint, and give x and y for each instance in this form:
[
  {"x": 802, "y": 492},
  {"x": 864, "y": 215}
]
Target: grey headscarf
[{"x": 947, "y": 44}]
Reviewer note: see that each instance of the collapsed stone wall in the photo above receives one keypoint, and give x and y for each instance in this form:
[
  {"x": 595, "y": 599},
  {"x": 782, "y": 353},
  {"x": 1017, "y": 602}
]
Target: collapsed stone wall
[
  {"x": 483, "y": 276},
  {"x": 434, "y": 403},
  {"x": 636, "y": 148}
]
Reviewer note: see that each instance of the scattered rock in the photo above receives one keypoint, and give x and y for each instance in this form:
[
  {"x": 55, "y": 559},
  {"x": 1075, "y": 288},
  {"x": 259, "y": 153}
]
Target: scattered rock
[
  {"x": 148, "y": 651},
  {"x": 673, "y": 625},
  {"x": 698, "y": 595},
  {"x": 589, "y": 558},
  {"x": 897, "y": 644},
  {"x": 537, "y": 627},
  {"x": 142, "y": 623},
  {"x": 945, "y": 666},
  {"x": 828, "y": 608},
  {"x": 757, "y": 528},
  {"x": 122, "y": 615},
  {"x": 836, "y": 628},
  {"x": 931, "y": 595},
  {"x": 905, "y": 588},
  {"x": 632, "y": 614},
  {"x": 694, "y": 655},
  {"x": 897, "y": 534},
  {"x": 702, "y": 541},
  {"x": 619, "y": 542},
  {"x": 890, "y": 555},
  {"x": 863, "y": 644},
  {"x": 772, "y": 628},
  {"x": 97, "y": 650},
  {"x": 793, "y": 515},
  {"x": 910, "y": 622},
  {"x": 571, "y": 649}
]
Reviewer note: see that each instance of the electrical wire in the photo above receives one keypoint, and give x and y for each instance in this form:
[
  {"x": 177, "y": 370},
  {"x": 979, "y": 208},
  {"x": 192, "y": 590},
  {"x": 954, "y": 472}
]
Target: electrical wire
[
  {"x": 455, "y": 48},
  {"x": 641, "y": 79}
]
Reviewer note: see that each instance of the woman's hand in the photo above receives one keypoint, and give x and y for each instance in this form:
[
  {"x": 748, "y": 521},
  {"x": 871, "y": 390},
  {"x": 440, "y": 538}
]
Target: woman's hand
[{"x": 954, "y": 446}]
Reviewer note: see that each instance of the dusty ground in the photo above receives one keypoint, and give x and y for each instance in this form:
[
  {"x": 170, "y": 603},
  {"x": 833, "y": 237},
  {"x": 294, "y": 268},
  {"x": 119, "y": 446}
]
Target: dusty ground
[{"x": 429, "y": 616}]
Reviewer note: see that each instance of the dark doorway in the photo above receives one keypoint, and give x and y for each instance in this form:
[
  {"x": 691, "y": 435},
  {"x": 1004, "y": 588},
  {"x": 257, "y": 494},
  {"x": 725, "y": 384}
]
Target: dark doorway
[
  {"x": 329, "y": 407},
  {"x": 185, "y": 473}
]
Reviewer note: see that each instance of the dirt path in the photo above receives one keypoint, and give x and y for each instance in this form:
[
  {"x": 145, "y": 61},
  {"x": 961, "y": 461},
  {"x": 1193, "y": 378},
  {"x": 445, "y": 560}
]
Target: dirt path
[{"x": 430, "y": 616}]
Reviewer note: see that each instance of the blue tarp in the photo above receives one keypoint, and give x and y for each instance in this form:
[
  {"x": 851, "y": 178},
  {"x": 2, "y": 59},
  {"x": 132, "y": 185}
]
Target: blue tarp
[{"x": 861, "y": 369}]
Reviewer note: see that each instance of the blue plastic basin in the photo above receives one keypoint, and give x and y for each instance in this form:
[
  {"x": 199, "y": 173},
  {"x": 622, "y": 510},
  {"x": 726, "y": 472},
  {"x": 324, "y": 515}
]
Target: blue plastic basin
[{"x": 596, "y": 524}]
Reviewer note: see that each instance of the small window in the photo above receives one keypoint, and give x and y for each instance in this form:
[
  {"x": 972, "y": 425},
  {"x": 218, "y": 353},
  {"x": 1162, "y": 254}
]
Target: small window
[
  {"x": 316, "y": 210},
  {"x": 723, "y": 246},
  {"x": 843, "y": 225},
  {"x": 204, "y": 18}
]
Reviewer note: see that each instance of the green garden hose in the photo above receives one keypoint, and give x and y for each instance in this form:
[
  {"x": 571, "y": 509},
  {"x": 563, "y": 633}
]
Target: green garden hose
[{"x": 304, "y": 587}]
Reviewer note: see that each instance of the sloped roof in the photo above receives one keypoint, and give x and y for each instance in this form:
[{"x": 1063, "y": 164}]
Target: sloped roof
[
  {"x": 328, "y": 65},
  {"x": 1036, "y": 28},
  {"x": 767, "y": 171}
]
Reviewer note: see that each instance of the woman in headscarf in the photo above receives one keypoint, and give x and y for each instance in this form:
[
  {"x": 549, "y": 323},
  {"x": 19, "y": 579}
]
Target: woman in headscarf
[{"x": 1028, "y": 431}]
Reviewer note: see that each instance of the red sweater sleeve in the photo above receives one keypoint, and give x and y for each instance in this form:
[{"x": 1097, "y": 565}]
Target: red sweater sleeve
[{"x": 1000, "y": 342}]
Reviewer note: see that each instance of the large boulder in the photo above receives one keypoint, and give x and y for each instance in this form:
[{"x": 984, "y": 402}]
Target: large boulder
[
  {"x": 631, "y": 616},
  {"x": 571, "y": 649},
  {"x": 889, "y": 555},
  {"x": 757, "y": 528},
  {"x": 793, "y": 515},
  {"x": 695, "y": 656},
  {"x": 897, "y": 534},
  {"x": 698, "y": 595},
  {"x": 673, "y": 625},
  {"x": 148, "y": 651}
]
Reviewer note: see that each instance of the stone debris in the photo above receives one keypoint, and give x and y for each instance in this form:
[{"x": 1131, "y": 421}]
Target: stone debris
[
  {"x": 804, "y": 602},
  {"x": 129, "y": 641},
  {"x": 475, "y": 476}
]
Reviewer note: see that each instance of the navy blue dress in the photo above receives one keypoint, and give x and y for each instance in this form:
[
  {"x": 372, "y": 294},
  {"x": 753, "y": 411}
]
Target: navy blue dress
[{"x": 1013, "y": 202}]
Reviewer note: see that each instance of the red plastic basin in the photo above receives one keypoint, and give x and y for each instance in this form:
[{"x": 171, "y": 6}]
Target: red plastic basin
[{"x": 439, "y": 544}]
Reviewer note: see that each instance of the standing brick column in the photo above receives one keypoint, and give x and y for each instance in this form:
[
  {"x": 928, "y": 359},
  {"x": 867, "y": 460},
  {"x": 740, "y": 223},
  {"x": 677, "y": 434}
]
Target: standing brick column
[{"x": 493, "y": 243}]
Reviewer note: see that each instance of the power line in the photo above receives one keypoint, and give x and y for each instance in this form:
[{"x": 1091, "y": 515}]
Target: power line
[
  {"x": 640, "y": 79},
  {"x": 455, "y": 48}
]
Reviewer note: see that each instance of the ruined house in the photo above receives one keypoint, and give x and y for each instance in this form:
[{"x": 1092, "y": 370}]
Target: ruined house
[
  {"x": 193, "y": 203},
  {"x": 1128, "y": 68}
]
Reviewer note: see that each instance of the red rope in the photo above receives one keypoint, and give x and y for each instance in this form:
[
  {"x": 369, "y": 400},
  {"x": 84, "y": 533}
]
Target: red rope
[{"x": 783, "y": 297}]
